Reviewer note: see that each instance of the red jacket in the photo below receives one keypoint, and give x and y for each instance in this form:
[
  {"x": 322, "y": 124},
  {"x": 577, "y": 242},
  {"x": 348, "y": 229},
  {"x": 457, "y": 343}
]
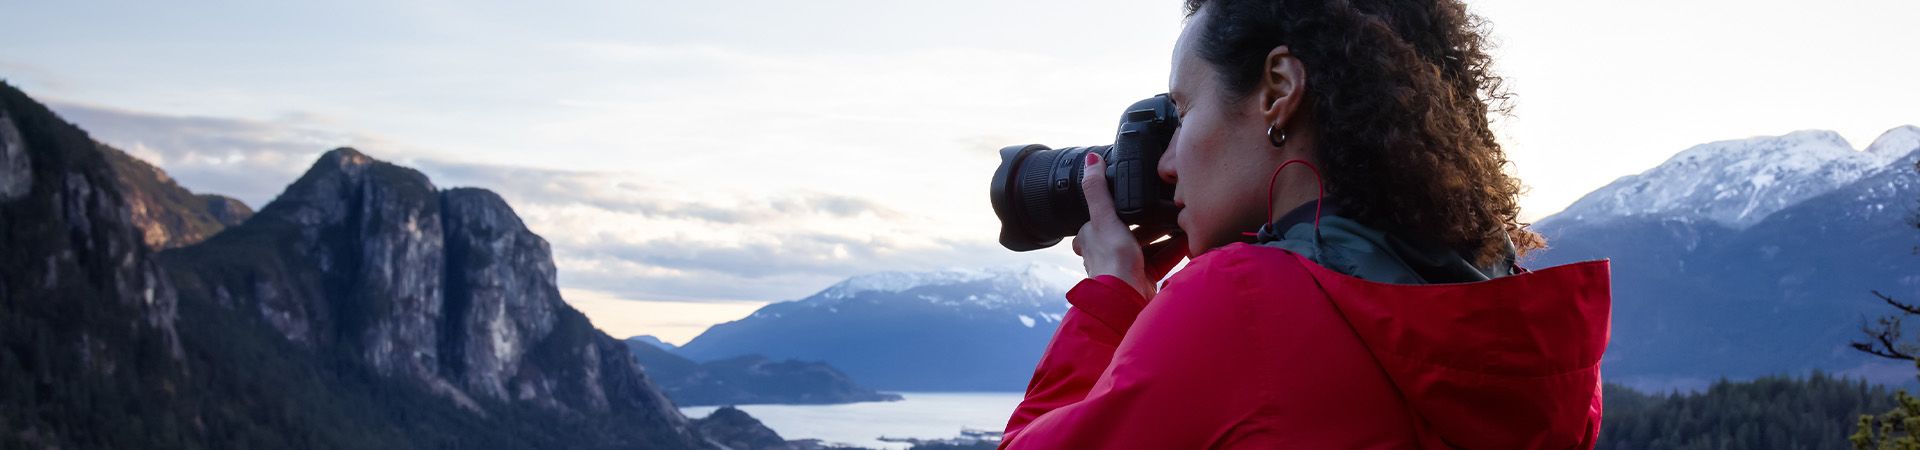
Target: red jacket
[{"x": 1257, "y": 347}]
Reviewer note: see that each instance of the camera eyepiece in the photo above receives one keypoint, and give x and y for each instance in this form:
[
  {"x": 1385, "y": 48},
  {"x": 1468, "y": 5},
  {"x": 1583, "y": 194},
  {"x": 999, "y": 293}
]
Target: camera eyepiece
[{"x": 1036, "y": 190}]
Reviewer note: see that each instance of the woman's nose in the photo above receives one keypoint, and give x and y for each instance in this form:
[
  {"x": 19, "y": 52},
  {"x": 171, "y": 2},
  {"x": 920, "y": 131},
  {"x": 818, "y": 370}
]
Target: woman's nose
[{"x": 1168, "y": 172}]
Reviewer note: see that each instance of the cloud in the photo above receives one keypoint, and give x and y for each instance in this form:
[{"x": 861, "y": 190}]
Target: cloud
[
  {"x": 623, "y": 234},
  {"x": 247, "y": 159},
  {"x": 626, "y": 192},
  {"x": 619, "y": 234},
  {"x": 676, "y": 322}
]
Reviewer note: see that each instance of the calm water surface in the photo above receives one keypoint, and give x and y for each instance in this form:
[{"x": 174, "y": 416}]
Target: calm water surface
[{"x": 925, "y": 415}]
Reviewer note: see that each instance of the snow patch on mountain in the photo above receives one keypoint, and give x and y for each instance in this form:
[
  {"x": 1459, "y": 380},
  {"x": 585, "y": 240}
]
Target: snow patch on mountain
[
  {"x": 1034, "y": 279},
  {"x": 1736, "y": 183},
  {"x": 1896, "y": 143}
]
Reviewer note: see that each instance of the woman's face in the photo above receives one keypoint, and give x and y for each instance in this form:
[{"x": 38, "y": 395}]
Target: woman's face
[{"x": 1220, "y": 158}]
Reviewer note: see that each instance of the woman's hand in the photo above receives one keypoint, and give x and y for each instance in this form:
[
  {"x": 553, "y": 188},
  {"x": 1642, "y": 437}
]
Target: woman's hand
[{"x": 1107, "y": 247}]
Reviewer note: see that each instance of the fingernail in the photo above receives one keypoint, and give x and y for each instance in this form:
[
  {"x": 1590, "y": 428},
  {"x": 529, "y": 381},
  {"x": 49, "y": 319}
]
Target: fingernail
[{"x": 1092, "y": 158}]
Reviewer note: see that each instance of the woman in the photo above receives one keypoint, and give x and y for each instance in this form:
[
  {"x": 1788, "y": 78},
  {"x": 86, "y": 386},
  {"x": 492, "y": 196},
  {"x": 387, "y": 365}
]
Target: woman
[{"x": 1384, "y": 311}]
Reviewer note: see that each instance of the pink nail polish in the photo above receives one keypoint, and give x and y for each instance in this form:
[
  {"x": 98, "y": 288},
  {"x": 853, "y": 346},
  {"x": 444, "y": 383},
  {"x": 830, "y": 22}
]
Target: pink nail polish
[{"x": 1092, "y": 158}]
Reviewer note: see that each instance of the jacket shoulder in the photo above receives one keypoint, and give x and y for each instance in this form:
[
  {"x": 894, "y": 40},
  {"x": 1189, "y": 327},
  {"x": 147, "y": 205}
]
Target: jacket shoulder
[
  {"x": 1245, "y": 267},
  {"x": 1243, "y": 284},
  {"x": 1252, "y": 318}
]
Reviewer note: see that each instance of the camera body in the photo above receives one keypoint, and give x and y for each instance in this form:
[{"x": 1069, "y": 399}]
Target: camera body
[{"x": 1036, "y": 190}]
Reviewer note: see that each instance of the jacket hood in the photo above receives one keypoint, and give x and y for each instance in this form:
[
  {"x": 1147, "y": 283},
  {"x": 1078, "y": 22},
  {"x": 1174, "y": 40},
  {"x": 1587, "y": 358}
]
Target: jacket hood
[
  {"x": 1352, "y": 248},
  {"x": 1512, "y": 362}
]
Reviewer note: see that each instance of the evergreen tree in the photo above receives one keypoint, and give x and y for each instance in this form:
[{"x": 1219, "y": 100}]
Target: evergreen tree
[
  {"x": 1894, "y": 429},
  {"x": 1766, "y": 413}
]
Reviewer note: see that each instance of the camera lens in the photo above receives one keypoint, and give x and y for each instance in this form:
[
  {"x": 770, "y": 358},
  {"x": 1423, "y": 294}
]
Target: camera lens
[
  {"x": 1036, "y": 193},
  {"x": 1036, "y": 190}
]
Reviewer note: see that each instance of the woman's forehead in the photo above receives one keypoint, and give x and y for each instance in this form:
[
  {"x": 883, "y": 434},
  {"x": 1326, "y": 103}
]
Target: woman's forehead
[{"x": 1187, "y": 68}]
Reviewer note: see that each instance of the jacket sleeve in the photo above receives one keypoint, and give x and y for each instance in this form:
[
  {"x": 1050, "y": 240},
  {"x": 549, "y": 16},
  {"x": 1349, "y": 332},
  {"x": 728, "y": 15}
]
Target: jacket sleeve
[
  {"x": 1174, "y": 374},
  {"x": 1103, "y": 308}
]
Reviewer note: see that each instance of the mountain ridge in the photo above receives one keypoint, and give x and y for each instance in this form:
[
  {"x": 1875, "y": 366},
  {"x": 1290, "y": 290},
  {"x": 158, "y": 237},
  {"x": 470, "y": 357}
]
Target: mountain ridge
[
  {"x": 749, "y": 379},
  {"x": 168, "y": 215},
  {"x": 1696, "y": 300},
  {"x": 323, "y": 321},
  {"x": 1738, "y": 182},
  {"x": 369, "y": 258},
  {"x": 955, "y": 329}
]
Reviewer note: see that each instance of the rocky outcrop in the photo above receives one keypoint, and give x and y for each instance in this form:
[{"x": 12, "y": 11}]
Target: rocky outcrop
[
  {"x": 363, "y": 308},
  {"x": 447, "y": 289},
  {"x": 733, "y": 428},
  {"x": 501, "y": 295},
  {"x": 70, "y": 244},
  {"x": 16, "y": 167}
]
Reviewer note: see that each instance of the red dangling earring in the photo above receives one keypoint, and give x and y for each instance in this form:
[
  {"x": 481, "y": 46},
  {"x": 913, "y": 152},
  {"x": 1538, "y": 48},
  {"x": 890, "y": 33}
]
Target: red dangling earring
[{"x": 1278, "y": 138}]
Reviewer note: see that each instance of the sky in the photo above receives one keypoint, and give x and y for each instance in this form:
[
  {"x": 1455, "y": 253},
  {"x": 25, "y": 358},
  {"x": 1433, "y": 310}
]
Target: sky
[{"x": 693, "y": 161}]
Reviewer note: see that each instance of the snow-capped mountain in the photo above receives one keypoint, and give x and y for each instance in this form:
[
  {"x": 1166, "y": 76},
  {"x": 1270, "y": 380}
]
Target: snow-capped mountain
[
  {"x": 1719, "y": 271},
  {"x": 1737, "y": 183},
  {"x": 1016, "y": 285},
  {"x": 955, "y": 329}
]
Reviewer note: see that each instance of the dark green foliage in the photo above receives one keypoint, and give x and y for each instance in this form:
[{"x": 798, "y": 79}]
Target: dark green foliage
[
  {"x": 1892, "y": 430},
  {"x": 243, "y": 387},
  {"x": 1818, "y": 412},
  {"x": 265, "y": 394}
]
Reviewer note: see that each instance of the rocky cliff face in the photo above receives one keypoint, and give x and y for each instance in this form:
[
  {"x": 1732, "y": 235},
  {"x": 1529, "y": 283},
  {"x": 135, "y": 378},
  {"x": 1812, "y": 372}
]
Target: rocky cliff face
[
  {"x": 67, "y": 235},
  {"x": 501, "y": 296},
  {"x": 364, "y": 308},
  {"x": 445, "y": 288},
  {"x": 86, "y": 319}
]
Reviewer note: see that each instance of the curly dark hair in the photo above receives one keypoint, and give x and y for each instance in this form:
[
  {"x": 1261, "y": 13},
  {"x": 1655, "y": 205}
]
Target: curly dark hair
[{"x": 1400, "y": 92}]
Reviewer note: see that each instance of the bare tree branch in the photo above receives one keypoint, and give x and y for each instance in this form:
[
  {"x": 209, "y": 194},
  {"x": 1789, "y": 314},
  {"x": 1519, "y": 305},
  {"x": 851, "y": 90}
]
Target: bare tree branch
[
  {"x": 1885, "y": 338},
  {"x": 1870, "y": 349},
  {"x": 1912, "y": 310}
]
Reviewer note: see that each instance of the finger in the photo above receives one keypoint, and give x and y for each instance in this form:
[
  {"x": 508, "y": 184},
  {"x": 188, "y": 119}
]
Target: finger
[
  {"x": 1093, "y": 185},
  {"x": 1078, "y": 246}
]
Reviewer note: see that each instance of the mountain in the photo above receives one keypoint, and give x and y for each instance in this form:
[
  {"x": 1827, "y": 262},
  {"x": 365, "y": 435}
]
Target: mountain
[
  {"x": 1750, "y": 258},
  {"x": 89, "y": 326},
  {"x": 363, "y": 308},
  {"x": 447, "y": 291},
  {"x": 750, "y": 379},
  {"x": 927, "y": 331},
  {"x": 649, "y": 339},
  {"x": 168, "y": 215},
  {"x": 1737, "y": 183}
]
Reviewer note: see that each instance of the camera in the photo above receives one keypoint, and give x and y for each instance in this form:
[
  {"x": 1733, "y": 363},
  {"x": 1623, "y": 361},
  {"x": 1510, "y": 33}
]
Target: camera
[{"x": 1036, "y": 190}]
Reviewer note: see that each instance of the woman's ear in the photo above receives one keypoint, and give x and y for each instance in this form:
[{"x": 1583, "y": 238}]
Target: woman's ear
[{"x": 1283, "y": 86}]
